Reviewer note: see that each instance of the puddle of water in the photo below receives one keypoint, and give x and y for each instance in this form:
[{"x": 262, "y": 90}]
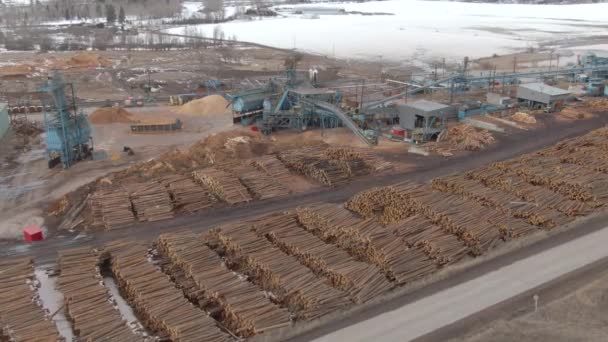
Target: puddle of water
[
  {"x": 51, "y": 300},
  {"x": 121, "y": 304}
]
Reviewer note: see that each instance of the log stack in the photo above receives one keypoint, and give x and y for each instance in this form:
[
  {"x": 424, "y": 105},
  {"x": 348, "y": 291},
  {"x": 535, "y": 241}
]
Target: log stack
[
  {"x": 161, "y": 307},
  {"x": 259, "y": 183},
  {"x": 112, "y": 209},
  {"x": 21, "y": 318},
  {"x": 187, "y": 195},
  {"x": 151, "y": 201},
  {"x": 87, "y": 301},
  {"x": 223, "y": 185},
  {"x": 272, "y": 167},
  {"x": 244, "y": 308},
  {"x": 363, "y": 282},
  {"x": 294, "y": 285}
]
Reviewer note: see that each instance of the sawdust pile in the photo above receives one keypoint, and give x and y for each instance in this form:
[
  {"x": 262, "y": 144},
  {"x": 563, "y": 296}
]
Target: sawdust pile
[
  {"x": 574, "y": 113},
  {"x": 523, "y": 118},
  {"x": 88, "y": 60},
  {"x": 15, "y": 70},
  {"x": 469, "y": 138},
  {"x": 108, "y": 115},
  {"x": 597, "y": 103},
  {"x": 212, "y": 105}
]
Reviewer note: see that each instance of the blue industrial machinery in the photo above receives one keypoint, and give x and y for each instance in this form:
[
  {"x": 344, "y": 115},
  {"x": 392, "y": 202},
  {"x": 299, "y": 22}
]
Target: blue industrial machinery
[
  {"x": 475, "y": 108},
  {"x": 68, "y": 133}
]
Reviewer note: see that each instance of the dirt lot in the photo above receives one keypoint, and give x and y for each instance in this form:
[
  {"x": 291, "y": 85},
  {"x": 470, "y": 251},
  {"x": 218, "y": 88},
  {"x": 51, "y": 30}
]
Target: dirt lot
[{"x": 579, "y": 316}]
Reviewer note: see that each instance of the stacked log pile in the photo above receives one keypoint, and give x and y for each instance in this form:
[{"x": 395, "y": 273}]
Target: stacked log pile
[
  {"x": 405, "y": 263},
  {"x": 111, "y": 209},
  {"x": 87, "y": 301},
  {"x": 244, "y": 308},
  {"x": 223, "y": 185},
  {"x": 21, "y": 318},
  {"x": 272, "y": 167},
  {"x": 441, "y": 247},
  {"x": 499, "y": 180},
  {"x": 363, "y": 282},
  {"x": 151, "y": 201},
  {"x": 312, "y": 164},
  {"x": 161, "y": 307},
  {"x": 504, "y": 202},
  {"x": 187, "y": 195},
  {"x": 260, "y": 184},
  {"x": 294, "y": 285}
]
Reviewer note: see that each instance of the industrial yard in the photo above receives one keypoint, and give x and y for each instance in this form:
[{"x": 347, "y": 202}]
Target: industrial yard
[{"x": 204, "y": 187}]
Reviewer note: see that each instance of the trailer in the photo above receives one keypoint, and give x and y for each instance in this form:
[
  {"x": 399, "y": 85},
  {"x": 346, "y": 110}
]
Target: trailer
[{"x": 156, "y": 127}]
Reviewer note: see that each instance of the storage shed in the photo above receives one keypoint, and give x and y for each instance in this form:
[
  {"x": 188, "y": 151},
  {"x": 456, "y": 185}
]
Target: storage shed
[
  {"x": 540, "y": 95},
  {"x": 4, "y": 120},
  {"x": 424, "y": 120}
]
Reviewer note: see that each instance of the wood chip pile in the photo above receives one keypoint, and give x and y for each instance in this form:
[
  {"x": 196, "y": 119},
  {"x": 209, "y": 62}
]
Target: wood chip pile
[
  {"x": 294, "y": 285},
  {"x": 223, "y": 185},
  {"x": 87, "y": 301},
  {"x": 151, "y": 201},
  {"x": 157, "y": 302},
  {"x": 261, "y": 184},
  {"x": 244, "y": 308},
  {"x": 112, "y": 209},
  {"x": 362, "y": 281},
  {"x": 187, "y": 195},
  {"x": 21, "y": 318}
]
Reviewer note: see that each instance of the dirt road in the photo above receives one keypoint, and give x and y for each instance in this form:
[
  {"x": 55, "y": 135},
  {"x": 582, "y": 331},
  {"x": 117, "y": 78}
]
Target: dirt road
[{"x": 509, "y": 146}]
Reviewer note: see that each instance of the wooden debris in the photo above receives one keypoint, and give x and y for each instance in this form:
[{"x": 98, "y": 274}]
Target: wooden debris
[
  {"x": 223, "y": 185},
  {"x": 21, "y": 318},
  {"x": 87, "y": 301},
  {"x": 244, "y": 308},
  {"x": 161, "y": 307}
]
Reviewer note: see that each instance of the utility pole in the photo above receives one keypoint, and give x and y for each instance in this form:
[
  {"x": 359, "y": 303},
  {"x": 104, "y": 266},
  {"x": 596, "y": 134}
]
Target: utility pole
[{"x": 514, "y": 63}]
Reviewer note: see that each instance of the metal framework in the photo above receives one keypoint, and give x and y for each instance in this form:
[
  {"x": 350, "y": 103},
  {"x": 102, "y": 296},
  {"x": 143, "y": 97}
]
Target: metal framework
[{"x": 68, "y": 133}]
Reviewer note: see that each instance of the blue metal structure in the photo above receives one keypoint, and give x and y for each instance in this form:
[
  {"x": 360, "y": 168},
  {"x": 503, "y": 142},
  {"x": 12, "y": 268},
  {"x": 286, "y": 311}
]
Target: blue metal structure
[{"x": 68, "y": 133}]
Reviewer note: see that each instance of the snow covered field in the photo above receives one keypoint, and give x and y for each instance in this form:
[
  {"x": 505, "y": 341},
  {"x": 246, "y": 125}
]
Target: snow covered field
[{"x": 421, "y": 29}]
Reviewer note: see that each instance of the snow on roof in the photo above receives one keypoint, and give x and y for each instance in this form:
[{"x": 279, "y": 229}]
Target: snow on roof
[
  {"x": 427, "y": 106},
  {"x": 545, "y": 89}
]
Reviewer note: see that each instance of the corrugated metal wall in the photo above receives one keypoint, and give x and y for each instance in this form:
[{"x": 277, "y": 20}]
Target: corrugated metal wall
[{"x": 4, "y": 122}]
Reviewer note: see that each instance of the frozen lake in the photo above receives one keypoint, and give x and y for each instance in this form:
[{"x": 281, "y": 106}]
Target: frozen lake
[{"x": 420, "y": 29}]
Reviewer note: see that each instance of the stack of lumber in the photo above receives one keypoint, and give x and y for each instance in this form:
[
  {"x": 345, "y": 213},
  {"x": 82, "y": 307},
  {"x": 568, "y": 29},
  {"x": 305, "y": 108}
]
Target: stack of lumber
[
  {"x": 259, "y": 183},
  {"x": 21, "y": 319},
  {"x": 161, "y": 307},
  {"x": 244, "y": 308},
  {"x": 294, "y": 285},
  {"x": 272, "y": 167},
  {"x": 151, "y": 201},
  {"x": 111, "y": 209},
  {"x": 223, "y": 185},
  {"x": 363, "y": 282},
  {"x": 367, "y": 158},
  {"x": 187, "y": 195},
  {"x": 87, "y": 301},
  {"x": 469, "y": 138}
]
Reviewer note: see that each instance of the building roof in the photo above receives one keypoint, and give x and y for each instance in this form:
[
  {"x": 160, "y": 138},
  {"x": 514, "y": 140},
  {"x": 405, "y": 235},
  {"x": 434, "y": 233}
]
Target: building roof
[
  {"x": 427, "y": 106},
  {"x": 545, "y": 89}
]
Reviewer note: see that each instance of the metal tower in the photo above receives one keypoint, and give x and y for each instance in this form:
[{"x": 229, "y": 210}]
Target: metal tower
[{"x": 68, "y": 133}]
